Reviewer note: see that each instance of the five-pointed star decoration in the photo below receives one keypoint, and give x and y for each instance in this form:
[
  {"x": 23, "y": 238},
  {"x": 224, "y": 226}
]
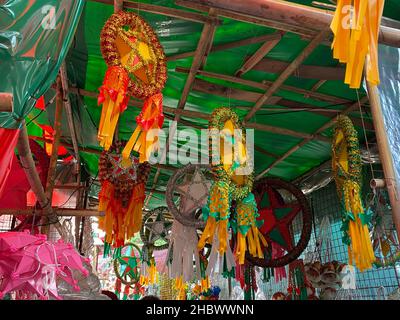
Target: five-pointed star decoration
[
  {"x": 278, "y": 218},
  {"x": 129, "y": 266},
  {"x": 159, "y": 229},
  {"x": 194, "y": 192},
  {"x": 121, "y": 170}
]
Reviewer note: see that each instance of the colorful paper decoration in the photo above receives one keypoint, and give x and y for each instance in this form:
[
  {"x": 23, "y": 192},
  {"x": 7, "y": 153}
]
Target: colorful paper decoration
[
  {"x": 136, "y": 67},
  {"x": 155, "y": 234},
  {"x": 121, "y": 196},
  {"x": 346, "y": 164},
  {"x": 183, "y": 259},
  {"x": 31, "y": 266},
  {"x": 355, "y": 26},
  {"x": 229, "y": 186},
  {"x": 278, "y": 216}
]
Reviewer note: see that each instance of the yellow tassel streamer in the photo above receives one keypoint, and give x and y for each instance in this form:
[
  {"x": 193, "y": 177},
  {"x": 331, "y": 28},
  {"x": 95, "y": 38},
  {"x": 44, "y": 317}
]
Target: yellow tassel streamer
[
  {"x": 355, "y": 26},
  {"x": 361, "y": 250}
]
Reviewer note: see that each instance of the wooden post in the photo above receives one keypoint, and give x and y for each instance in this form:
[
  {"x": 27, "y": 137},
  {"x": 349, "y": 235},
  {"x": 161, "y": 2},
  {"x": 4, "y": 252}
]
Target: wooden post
[
  {"x": 6, "y": 102},
  {"x": 385, "y": 154}
]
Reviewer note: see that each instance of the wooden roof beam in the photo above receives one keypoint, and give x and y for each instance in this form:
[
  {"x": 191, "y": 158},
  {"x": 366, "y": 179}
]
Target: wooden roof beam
[
  {"x": 303, "y": 71},
  {"x": 305, "y": 141},
  {"x": 229, "y": 45},
  {"x": 282, "y": 15},
  {"x": 266, "y": 84},
  {"x": 287, "y": 73},
  {"x": 166, "y": 11},
  {"x": 257, "y": 57}
]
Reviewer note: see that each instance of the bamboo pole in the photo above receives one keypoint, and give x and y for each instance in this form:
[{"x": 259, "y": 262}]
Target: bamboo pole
[
  {"x": 6, "y": 102},
  {"x": 32, "y": 175},
  {"x": 385, "y": 153},
  {"x": 60, "y": 212},
  {"x": 283, "y": 15},
  {"x": 51, "y": 175}
]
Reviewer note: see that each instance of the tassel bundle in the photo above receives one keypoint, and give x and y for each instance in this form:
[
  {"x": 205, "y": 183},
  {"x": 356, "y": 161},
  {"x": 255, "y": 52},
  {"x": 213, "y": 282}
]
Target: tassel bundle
[
  {"x": 356, "y": 29},
  {"x": 113, "y": 97},
  {"x": 360, "y": 248},
  {"x": 120, "y": 223},
  {"x": 144, "y": 139},
  {"x": 148, "y": 273},
  {"x": 248, "y": 235}
]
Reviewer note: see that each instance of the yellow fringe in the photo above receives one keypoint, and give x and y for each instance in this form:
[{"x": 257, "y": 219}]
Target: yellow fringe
[
  {"x": 361, "y": 252},
  {"x": 356, "y": 42}
]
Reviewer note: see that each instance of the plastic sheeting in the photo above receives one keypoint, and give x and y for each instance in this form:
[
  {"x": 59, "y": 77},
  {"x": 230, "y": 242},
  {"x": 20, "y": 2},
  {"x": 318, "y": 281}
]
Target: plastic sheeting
[
  {"x": 35, "y": 36},
  {"x": 389, "y": 93}
]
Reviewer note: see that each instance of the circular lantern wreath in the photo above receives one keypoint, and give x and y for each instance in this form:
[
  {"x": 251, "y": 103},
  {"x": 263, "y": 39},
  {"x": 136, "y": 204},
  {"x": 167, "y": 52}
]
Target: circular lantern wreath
[
  {"x": 136, "y": 67},
  {"x": 155, "y": 234},
  {"x": 346, "y": 164},
  {"x": 122, "y": 194},
  {"x": 281, "y": 220},
  {"x": 186, "y": 194},
  {"x": 231, "y": 189}
]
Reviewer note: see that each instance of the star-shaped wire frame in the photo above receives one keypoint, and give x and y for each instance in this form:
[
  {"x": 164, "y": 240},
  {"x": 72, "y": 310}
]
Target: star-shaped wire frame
[
  {"x": 193, "y": 192},
  {"x": 278, "y": 218},
  {"x": 121, "y": 170},
  {"x": 158, "y": 229}
]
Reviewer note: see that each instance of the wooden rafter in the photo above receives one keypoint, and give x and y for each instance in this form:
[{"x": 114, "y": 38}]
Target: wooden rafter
[
  {"x": 287, "y": 72},
  {"x": 266, "y": 84},
  {"x": 305, "y": 141},
  {"x": 257, "y": 57},
  {"x": 303, "y": 71},
  {"x": 166, "y": 11},
  {"x": 305, "y": 32},
  {"x": 206, "y": 116},
  {"x": 281, "y": 15},
  {"x": 229, "y": 45}
]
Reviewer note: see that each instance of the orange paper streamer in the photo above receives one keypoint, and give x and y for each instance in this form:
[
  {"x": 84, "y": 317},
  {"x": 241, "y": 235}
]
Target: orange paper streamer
[
  {"x": 144, "y": 139},
  {"x": 120, "y": 223},
  {"x": 113, "y": 97}
]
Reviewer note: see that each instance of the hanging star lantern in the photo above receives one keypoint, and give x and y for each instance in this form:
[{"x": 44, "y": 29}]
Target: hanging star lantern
[
  {"x": 278, "y": 218},
  {"x": 194, "y": 192},
  {"x": 159, "y": 229}
]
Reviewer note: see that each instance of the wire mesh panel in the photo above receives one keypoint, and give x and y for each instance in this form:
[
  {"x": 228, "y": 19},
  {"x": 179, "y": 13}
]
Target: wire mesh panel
[{"x": 368, "y": 283}]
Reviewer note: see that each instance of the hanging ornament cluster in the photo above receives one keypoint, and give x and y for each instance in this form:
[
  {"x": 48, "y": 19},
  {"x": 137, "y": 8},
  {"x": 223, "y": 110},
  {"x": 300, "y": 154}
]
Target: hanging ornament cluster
[
  {"x": 192, "y": 186},
  {"x": 355, "y": 26},
  {"x": 155, "y": 235},
  {"x": 31, "y": 266},
  {"x": 228, "y": 188},
  {"x": 121, "y": 196},
  {"x": 346, "y": 163},
  {"x": 136, "y": 67}
]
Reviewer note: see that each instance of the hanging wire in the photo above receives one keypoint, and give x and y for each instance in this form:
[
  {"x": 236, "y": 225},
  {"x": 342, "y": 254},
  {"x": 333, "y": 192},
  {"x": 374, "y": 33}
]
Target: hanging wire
[{"x": 365, "y": 135}]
